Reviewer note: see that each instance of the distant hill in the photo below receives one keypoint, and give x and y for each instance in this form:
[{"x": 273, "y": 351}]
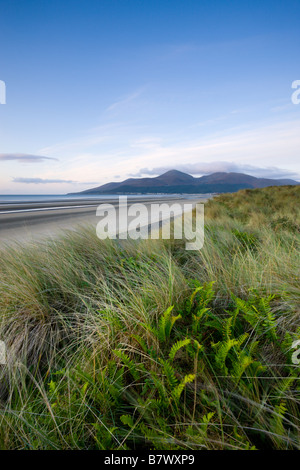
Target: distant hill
[{"x": 175, "y": 181}]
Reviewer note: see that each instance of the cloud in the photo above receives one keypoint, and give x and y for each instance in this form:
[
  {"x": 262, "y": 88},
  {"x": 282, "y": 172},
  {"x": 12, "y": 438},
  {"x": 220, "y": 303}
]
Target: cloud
[
  {"x": 263, "y": 149},
  {"x": 125, "y": 101},
  {"x": 205, "y": 168},
  {"x": 23, "y": 157},
  {"x": 41, "y": 181}
]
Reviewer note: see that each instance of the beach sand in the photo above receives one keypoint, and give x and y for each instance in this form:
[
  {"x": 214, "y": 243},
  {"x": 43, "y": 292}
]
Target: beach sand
[{"x": 29, "y": 222}]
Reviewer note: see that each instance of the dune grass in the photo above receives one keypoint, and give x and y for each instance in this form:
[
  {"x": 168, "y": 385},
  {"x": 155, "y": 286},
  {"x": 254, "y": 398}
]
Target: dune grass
[{"x": 144, "y": 345}]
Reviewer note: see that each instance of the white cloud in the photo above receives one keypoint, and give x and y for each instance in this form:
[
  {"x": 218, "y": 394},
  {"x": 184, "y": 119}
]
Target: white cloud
[
  {"x": 262, "y": 149},
  {"x": 123, "y": 148},
  {"x": 24, "y": 158},
  {"x": 47, "y": 181},
  {"x": 270, "y": 151},
  {"x": 123, "y": 102},
  {"x": 40, "y": 181}
]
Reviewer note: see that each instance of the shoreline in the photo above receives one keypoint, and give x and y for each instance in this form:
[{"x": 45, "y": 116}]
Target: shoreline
[{"x": 37, "y": 220}]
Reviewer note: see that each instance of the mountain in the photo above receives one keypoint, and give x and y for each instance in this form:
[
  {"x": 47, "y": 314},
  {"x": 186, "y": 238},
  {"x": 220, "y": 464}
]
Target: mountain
[
  {"x": 241, "y": 178},
  {"x": 175, "y": 181},
  {"x": 174, "y": 177}
]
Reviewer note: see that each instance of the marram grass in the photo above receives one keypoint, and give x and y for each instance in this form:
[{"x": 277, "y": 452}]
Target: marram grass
[{"x": 143, "y": 345}]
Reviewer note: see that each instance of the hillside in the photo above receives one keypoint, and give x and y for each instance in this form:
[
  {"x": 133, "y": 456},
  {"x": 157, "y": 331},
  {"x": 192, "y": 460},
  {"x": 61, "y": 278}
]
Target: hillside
[{"x": 175, "y": 181}]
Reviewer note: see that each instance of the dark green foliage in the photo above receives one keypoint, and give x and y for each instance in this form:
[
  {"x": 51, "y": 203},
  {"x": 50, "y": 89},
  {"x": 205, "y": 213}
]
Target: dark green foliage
[
  {"x": 248, "y": 241},
  {"x": 201, "y": 364}
]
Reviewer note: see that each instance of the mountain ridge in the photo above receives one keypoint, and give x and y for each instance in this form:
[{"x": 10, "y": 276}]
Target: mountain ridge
[{"x": 175, "y": 181}]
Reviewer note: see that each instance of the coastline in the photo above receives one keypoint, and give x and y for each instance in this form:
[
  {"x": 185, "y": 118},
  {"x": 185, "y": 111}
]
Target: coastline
[{"x": 32, "y": 221}]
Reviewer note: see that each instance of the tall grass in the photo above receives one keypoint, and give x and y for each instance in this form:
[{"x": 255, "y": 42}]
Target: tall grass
[{"x": 125, "y": 345}]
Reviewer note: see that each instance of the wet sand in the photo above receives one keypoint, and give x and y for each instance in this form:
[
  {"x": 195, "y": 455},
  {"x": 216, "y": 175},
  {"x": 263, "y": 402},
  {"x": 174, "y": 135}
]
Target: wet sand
[{"x": 26, "y": 222}]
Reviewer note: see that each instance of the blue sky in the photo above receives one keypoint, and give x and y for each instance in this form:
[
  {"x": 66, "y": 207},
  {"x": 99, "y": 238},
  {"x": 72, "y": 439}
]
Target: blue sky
[{"x": 102, "y": 90}]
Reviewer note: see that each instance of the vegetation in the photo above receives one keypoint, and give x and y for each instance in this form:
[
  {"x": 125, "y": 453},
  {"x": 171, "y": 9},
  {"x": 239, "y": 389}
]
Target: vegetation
[{"x": 143, "y": 345}]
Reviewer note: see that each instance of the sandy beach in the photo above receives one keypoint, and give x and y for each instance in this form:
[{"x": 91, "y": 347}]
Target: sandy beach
[{"x": 31, "y": 221}]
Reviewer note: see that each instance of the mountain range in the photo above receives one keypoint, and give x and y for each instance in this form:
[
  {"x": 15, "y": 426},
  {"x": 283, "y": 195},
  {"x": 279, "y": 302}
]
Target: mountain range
[{"x": 175, "y": 181}]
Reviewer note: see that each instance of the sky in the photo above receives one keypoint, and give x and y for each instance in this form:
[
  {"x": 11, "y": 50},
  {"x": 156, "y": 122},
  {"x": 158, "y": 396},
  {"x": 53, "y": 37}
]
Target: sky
[{"x": 102, "y": 90}]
